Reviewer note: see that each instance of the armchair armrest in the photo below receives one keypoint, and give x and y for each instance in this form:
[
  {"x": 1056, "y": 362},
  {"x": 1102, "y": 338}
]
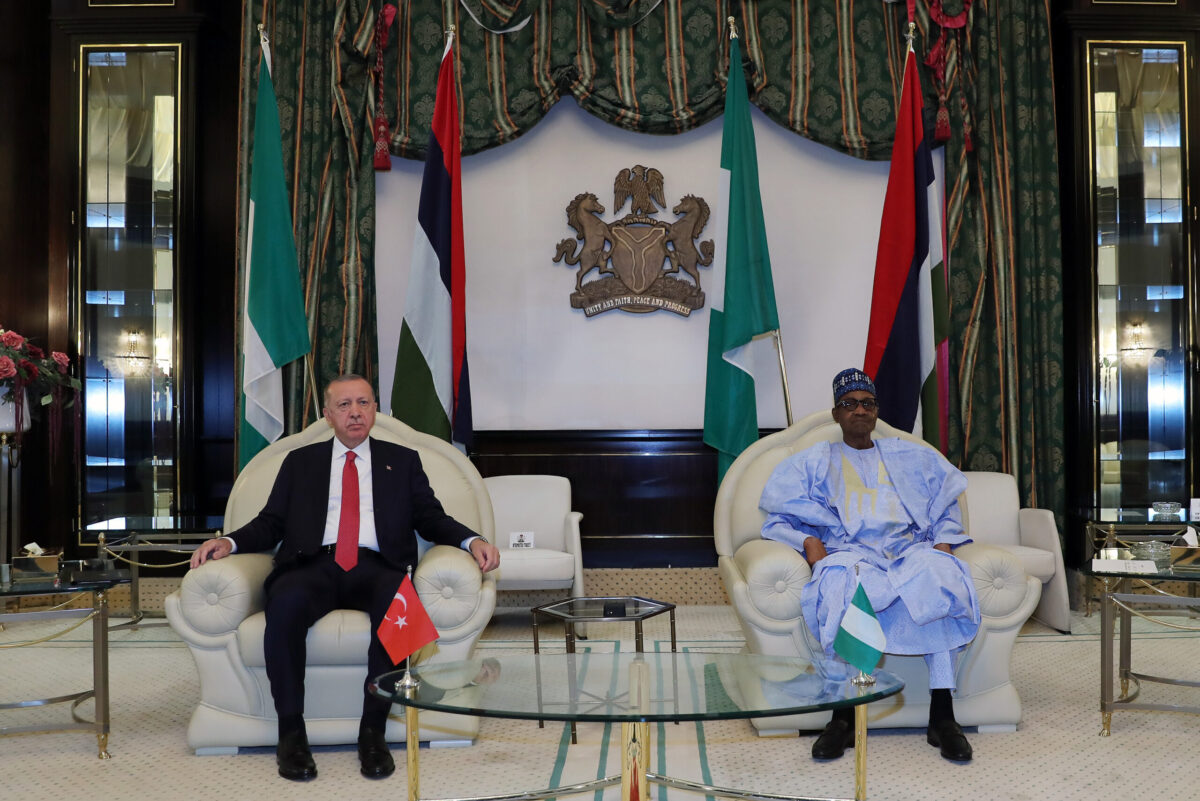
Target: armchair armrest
[
  {"x": 1038, "y": 530},
  {"x": 1001, "y": 583},
  {"x": 459, "y": 599},
  {"x": 772, "y": 576},
  {"x": 217, "y": 596}
]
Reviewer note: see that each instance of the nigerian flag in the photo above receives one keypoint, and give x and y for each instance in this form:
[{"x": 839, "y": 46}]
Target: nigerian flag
[
  {"x": 274, "y": 328},
  {"x": 860, "y": 639},
  {"x": 743, "y": 295}
]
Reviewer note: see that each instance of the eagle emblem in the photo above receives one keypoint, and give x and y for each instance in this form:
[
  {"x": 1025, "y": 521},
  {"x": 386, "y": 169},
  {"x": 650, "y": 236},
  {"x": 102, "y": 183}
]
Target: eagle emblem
[{"x": 637, "y": 258}]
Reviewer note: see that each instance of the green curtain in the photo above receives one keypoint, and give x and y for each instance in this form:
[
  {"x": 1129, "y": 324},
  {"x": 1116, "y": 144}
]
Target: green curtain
[
  {"x": 1005, "y": 244},
  {"x": 828, "y": 70},
  {"x": 652, "y": 66},
  {"x": 320, "y": 51}
]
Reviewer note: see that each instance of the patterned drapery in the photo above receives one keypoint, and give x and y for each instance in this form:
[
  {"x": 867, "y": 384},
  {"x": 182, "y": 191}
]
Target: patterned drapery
[
  {"x": 320, "y": 68},
  {"x": 828, "y": 70}
]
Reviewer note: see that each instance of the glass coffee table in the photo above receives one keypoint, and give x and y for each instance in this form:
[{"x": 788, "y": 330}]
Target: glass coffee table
[
  {"x": 632, "y": 689},
  {"x": 1119, "y": 570}
]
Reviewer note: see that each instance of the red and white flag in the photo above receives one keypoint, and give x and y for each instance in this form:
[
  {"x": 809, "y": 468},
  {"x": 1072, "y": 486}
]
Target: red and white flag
[
  {"x": 406, "y": 627},
  {"x": 908, "y": 350}
]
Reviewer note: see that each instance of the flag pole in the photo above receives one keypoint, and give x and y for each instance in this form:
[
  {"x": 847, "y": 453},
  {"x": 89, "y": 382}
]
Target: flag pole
[
  {"x": 862, "y": 681},
  {"x": 312, "y": 385},
  {"x": 787, "y": 396},
  {"x": 408, "y": 682}
]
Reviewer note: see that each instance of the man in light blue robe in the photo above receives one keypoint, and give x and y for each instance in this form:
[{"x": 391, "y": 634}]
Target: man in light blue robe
[{"x": 887, "y": 510}]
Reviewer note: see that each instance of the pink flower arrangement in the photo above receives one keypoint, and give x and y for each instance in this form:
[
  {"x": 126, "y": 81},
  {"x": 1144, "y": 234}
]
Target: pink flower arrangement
[{"x": 26, "y": 373}]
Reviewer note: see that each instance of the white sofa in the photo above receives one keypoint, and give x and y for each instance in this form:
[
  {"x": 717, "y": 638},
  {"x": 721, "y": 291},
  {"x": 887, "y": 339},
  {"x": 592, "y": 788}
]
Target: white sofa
[
  {"x": 764, "y": 580},
  {"x": 218, "y": 613}
]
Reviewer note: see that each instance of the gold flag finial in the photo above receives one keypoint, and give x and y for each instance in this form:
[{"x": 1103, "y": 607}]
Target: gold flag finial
[
  {"x": 732, "y": 27},
  {"x": 912, "y": 33}
]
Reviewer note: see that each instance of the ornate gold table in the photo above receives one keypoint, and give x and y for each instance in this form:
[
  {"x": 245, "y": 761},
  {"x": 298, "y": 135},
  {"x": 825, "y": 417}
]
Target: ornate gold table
[{"x": 632, "y": 689}]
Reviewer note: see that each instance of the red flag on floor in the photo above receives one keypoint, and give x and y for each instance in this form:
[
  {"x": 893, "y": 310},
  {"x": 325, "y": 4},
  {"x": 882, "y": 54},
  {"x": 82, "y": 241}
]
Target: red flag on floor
[{"x": 406, "y": 627}]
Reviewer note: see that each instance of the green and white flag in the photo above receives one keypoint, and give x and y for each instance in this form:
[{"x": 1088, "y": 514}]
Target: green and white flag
[
  {"x": 274, "y": 328},
  {"x": 860, "y": 639},
  {"x": 743, "y": 294}
]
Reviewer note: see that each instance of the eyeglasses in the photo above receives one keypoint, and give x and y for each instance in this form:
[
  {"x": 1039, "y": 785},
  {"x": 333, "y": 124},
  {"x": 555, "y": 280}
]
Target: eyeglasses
[{"x": 850, "y": 404}]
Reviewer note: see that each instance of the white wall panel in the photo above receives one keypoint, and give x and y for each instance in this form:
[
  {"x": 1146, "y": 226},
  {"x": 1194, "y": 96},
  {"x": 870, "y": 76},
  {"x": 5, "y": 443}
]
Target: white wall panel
[{"x": 538, "y": 363}]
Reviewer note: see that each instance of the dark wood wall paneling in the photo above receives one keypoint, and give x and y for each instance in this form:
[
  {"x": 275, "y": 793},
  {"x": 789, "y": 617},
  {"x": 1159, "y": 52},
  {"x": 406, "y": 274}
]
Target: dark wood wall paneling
[
  {"x": 25, "y": 190},
  {"x": 38, "y": 169},
  {"x": 646, "y": 496}
]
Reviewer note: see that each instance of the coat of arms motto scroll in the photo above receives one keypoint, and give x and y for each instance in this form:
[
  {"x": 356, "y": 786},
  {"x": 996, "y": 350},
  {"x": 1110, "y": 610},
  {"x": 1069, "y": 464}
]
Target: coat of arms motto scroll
[{"x": 638, "y": 257}]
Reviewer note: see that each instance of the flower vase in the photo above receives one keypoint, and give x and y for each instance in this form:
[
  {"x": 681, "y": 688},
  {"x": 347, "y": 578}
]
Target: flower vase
[{"x": 8, "y": 415}]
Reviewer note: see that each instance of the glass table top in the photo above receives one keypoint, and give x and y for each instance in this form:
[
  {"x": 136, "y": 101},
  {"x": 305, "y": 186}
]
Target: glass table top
[
  {"x": 1121, "y": 562},
  {"x": 199, "y": 523},
  {"x": 631, "y": 687},
  {"x": 69, "y": 579},
  {"x": 613, "y": 608},
  {"x": 1135, "y": 515}
]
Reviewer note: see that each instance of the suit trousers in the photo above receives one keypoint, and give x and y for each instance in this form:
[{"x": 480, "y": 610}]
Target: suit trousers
[{"x": 299, "y": 597}]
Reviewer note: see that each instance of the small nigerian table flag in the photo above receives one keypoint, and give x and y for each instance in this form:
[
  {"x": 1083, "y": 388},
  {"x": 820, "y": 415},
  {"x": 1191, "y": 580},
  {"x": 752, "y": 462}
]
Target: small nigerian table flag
[{"x": 860, "y": 639}]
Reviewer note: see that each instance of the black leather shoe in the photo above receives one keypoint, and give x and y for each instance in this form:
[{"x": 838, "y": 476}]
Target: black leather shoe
[
  {"x": 948, "y": 736},
  {"x": 833, "y": 742},
  {"x": 295, "y": 758},
  {"x": 375, "y": 760}
]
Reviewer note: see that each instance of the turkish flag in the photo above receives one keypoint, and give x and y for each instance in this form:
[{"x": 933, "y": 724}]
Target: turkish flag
[{"x": 406, "y": 626}]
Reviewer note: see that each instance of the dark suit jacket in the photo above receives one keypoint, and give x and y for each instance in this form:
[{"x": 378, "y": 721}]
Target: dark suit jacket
[{"x": 294, "y": 516}]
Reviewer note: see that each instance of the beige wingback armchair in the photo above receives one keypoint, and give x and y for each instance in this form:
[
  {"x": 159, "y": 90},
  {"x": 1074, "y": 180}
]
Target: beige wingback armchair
[
  {"x": 218, "y": 613},
  {"x": 764, "y": 580}
]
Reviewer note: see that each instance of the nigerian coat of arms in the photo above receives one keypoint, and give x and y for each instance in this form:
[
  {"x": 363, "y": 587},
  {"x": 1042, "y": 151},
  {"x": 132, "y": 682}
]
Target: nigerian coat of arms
[{"x": 637, "y": 258}]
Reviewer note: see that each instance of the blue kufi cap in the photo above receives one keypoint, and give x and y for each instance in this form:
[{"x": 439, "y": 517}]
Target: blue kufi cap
[{"x": 849, "y": 380}]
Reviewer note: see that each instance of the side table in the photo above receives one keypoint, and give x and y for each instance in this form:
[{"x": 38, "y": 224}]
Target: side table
[
  {"x": 1117, "y": 604},
  {"x": 98, "y": 613},
  {"x": 600, "y": 609}
]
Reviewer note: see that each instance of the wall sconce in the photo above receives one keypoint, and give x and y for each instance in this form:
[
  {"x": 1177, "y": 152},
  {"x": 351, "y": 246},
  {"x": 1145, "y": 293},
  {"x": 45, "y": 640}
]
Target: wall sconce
[
  {"x": 134, "y": 362},
  {"x": 1135, "y": 342}
]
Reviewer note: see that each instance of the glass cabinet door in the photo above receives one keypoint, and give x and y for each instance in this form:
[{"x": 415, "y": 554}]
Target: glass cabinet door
[
  {"x": 128, "y": 154},
  {"x": 1142, "y": 251}
]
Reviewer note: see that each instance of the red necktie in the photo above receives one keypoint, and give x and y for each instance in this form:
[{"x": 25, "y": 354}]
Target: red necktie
[{"x": 346, "y": 553}]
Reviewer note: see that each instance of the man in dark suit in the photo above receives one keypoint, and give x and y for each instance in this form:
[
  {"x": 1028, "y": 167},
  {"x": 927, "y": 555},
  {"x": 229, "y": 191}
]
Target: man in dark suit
[{"x": 343, "y": 514}]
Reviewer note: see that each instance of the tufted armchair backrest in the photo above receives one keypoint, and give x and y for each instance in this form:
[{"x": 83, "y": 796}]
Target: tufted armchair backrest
[
  {"x": 737, "y": 518},
  {"x": 454, "y": 479}
]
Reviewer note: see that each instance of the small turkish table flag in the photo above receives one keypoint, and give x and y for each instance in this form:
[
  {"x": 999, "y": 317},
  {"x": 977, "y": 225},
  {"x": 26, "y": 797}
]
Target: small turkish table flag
[{"x": 406, "y": 627}]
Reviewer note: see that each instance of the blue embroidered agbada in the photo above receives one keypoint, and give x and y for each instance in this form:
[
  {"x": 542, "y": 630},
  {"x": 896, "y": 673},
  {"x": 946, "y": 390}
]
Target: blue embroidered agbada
[{"x": 882, "y": 509}]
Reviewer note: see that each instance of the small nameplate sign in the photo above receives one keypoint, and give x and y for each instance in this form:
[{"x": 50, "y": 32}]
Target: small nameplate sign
[
  {"x": 520, "y": 539},
  {"x": 1123, "y": 566}
]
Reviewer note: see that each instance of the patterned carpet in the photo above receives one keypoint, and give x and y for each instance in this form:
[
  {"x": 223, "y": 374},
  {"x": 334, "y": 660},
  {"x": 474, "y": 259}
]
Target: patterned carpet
[{"x": 1055, "y": 754}]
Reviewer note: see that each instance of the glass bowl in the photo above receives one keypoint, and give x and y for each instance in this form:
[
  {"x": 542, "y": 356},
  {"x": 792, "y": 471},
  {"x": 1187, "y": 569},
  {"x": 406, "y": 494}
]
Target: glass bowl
[
  {"x": 1166, "y": 507},
  {"x": 1152, "y": 550}
]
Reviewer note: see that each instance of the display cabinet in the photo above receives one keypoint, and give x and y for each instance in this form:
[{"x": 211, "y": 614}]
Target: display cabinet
[{"x": 1130, "y": 279}]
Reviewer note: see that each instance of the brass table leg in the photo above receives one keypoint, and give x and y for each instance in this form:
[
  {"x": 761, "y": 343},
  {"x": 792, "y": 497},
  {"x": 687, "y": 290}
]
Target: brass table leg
[
  {"x": 1106, "y": 662},
  {"x": 860, "y": 752},
  {"x": 100, "y": 670},
  {"x": 414, "y": 746},
  {"x": 635, "y": 750}
]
